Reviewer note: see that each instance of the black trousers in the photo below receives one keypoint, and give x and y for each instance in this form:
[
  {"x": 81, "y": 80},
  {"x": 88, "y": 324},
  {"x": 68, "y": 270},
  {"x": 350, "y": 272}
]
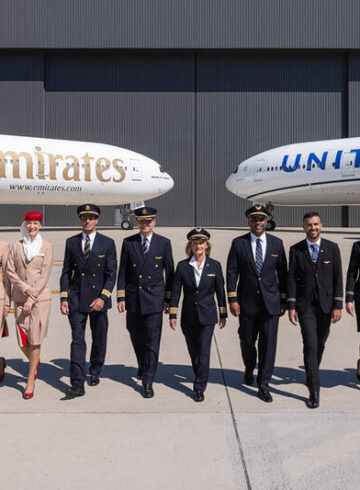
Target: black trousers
[
  {"x": 315, "y": 329},
  {"x": 99, "y": 328},
  {"x": 265, "y": 327},
  {"x": 145, "y": 334},
  {"x": 198, "y": 340},
  {"x": 357, "y": 311}
]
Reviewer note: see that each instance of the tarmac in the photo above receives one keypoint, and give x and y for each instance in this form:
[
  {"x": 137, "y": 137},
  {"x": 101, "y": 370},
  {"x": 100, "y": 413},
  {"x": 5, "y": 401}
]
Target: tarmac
[{"x": 112, "y": 438}]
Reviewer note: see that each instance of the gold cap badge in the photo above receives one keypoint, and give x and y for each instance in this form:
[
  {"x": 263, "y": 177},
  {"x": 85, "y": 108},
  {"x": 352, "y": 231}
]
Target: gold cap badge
[{"x": 87, "y": 208}]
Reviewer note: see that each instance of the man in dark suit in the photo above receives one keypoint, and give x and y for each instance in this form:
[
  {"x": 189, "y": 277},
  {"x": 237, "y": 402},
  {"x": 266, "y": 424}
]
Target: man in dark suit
[
  {"x": 143, "y": 294},
  {"x": 315, "y": 294},
  {"x": 87, "y": 280},
  {"x": 256, "y": 284}
]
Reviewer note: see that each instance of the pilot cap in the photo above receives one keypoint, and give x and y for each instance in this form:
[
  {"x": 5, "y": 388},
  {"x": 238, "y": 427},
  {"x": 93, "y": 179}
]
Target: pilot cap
[
  {"x": 33, "y": 216},
  {"x": 257, "y": 211},
  {"x": 198, "y": 234},
  {"x": 88, "y": 209},
  {"x": 145, "y": 213}
]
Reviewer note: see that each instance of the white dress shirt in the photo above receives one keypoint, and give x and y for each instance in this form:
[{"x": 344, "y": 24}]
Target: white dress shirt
[
  {"x": 197, "y": 270},
  {"x": 92, "y": 238},
  {"x": 263, "y": 245}
]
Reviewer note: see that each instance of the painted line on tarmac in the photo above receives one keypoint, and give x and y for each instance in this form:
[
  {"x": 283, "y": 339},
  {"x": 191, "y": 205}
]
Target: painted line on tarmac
[{"x": 241, "y": 451}]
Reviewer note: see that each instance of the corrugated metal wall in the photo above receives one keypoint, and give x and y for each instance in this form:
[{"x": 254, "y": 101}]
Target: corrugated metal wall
[{"x": 197, "y": 113}]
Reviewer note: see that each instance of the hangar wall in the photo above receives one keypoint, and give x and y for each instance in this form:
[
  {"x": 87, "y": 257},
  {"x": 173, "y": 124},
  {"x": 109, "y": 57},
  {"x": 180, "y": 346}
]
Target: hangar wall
[
  {"x": 165, "y": 91},
  {"x": 198, "y": 114}
]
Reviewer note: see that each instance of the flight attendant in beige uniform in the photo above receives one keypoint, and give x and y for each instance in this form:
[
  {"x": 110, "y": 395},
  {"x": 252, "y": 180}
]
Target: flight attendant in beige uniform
[
  {"x": 4, "y": 300},
  {"x": 28, "y": 269}
]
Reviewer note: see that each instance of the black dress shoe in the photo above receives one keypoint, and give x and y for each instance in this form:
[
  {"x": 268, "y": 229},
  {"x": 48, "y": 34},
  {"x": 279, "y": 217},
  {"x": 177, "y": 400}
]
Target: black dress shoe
[
  {"x": 75, "y": 391},
  {"x": 357, "y": 370},
  {"x": 148, "y": 391},
  {"x": 248, "y": 378},
  {"x": 264, "y": 395},
  {"x": 313, "y": 401},
  {"x": 199, "y": 396},
  {"x": 2, "y": 368},
  {"x": 94, "y": 380},
  {"x": 139, "y": 374}
]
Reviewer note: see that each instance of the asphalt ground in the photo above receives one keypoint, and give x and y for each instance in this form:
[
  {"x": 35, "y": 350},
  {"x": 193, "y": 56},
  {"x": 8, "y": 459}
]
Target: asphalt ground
[{"x": 113, "y": 438}]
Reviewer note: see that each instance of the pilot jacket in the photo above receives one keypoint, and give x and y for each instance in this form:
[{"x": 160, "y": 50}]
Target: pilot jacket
[
  {"x": 260, "y": 298},
  {"x": 314, "y": 290},
  {"x": 353, "y": 281},
  {"x": 141, "y": 285},
  {"x": 82, "y": 281},
  {"x": 199, "y": 313},
  {"x": 5, "y": 287}
]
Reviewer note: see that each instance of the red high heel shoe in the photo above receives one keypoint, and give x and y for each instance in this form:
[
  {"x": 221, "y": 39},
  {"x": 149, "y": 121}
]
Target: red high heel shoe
[{"x": 28, "y": 396}]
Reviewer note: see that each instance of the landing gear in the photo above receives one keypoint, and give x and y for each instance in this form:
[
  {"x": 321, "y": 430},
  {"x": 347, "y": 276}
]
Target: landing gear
[
  {"x": 124, "y": 217},
  {"x": 271, "y": 225}
]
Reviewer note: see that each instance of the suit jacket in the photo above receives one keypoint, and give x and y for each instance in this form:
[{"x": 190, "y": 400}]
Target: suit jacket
[
  {"x": 243, "y": 282},
  {"x": 5, "y": 286},
  {"x": 36, "y": 273},
  {"x": 141, "y": 277},
  {"x": 198, "y": 304},
  {"x": 352, "y": 279},
  {"x": 322, "y": 281},
  {"x": 83, "y": 280}
]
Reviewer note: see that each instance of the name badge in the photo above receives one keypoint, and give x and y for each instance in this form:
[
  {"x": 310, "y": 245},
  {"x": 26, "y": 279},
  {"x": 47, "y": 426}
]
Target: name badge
[
  {"x": 158, "y": 258},
  {"x": 211, "y": 275},
  {"x": 274, "y": 255},
  {"x": 101, "y": 256}
]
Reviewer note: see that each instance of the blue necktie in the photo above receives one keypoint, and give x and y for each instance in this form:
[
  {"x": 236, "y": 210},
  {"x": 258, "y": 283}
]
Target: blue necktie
[
  {"x": 258, "y": 256},
  {"x": 314, "y": 252}
]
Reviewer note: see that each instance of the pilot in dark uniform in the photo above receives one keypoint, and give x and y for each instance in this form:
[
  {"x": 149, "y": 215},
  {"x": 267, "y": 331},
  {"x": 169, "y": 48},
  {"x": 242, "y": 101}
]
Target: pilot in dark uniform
[
  {"x": 256, "y": 284},
  {"x": 87, "y": 280},
  {"x": 143, "y": 293},
  {"x": 201, "y": 278},
  {"x": 353, "y": 290},
  {"x": 315, "y": 294}
]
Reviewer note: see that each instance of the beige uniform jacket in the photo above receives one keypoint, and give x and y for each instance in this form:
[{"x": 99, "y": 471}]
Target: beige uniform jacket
[
  {"x": 35, "y": 274},
  {"x": 5, "y": 286}
]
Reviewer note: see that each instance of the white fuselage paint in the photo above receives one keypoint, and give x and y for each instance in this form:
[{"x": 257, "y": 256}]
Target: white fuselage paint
[
  {"x": 319, "y": 172},
  {"x": 49, "y": 171}
]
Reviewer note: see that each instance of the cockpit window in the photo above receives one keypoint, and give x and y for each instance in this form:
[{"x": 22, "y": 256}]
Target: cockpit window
[
  {"x": 161, "y": 169},
  {"x": 236, "y": 169}
]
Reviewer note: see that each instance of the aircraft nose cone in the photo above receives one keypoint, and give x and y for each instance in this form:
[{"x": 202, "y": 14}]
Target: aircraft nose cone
[{"x": 230, "y": 184}]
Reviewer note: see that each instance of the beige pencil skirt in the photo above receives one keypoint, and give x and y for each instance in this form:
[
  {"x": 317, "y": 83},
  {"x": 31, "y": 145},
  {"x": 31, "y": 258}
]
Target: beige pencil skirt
[
  {"x": 3, "y": 325},
  {"x": 32, "y": 328}
]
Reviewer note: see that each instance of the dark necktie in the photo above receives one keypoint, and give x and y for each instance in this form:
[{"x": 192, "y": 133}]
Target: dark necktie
[
  {"x": 145, "y": 246},
  {"x": 87, "y": 247},
  {"x": 258, "y": 256},
  {"x": 314, "y": 252}
]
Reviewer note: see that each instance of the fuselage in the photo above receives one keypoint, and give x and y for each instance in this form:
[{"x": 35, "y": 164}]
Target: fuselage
[
  {"x": 319, "y": 172},
  {"x": 50, "y": 171}
]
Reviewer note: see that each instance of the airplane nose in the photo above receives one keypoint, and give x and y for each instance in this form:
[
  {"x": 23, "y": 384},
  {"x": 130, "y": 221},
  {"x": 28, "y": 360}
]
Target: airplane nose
[{"x": 230, "y": 184}]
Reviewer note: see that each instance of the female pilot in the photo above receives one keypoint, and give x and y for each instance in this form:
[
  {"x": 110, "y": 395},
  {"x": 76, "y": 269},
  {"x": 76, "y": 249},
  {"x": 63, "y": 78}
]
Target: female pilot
[{"x": 201, "y": 278}]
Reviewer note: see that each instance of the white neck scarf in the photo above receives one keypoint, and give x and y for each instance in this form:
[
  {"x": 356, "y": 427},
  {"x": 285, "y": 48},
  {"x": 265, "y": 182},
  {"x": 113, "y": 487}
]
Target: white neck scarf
[{"x": 31, "y": 247}]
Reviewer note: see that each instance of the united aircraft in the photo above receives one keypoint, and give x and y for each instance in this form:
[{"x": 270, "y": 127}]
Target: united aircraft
[
  {"x": 50, "y": 171},
  {"x": 318, "y": 172}
]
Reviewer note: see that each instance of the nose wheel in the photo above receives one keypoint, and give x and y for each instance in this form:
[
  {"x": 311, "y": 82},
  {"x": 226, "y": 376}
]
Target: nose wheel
[{"x": 271, "y": 225}]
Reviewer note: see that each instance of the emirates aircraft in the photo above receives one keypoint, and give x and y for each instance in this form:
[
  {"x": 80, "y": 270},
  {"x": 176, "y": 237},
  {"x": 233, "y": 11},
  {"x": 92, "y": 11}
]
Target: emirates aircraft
[
  {"x": 318, "y": 172},
  {"x": 50, "y": 171}
]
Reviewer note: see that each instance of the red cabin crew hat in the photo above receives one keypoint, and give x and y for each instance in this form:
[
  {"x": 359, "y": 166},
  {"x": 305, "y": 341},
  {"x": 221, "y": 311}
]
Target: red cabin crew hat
[{"x": 33, "y": 216}]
